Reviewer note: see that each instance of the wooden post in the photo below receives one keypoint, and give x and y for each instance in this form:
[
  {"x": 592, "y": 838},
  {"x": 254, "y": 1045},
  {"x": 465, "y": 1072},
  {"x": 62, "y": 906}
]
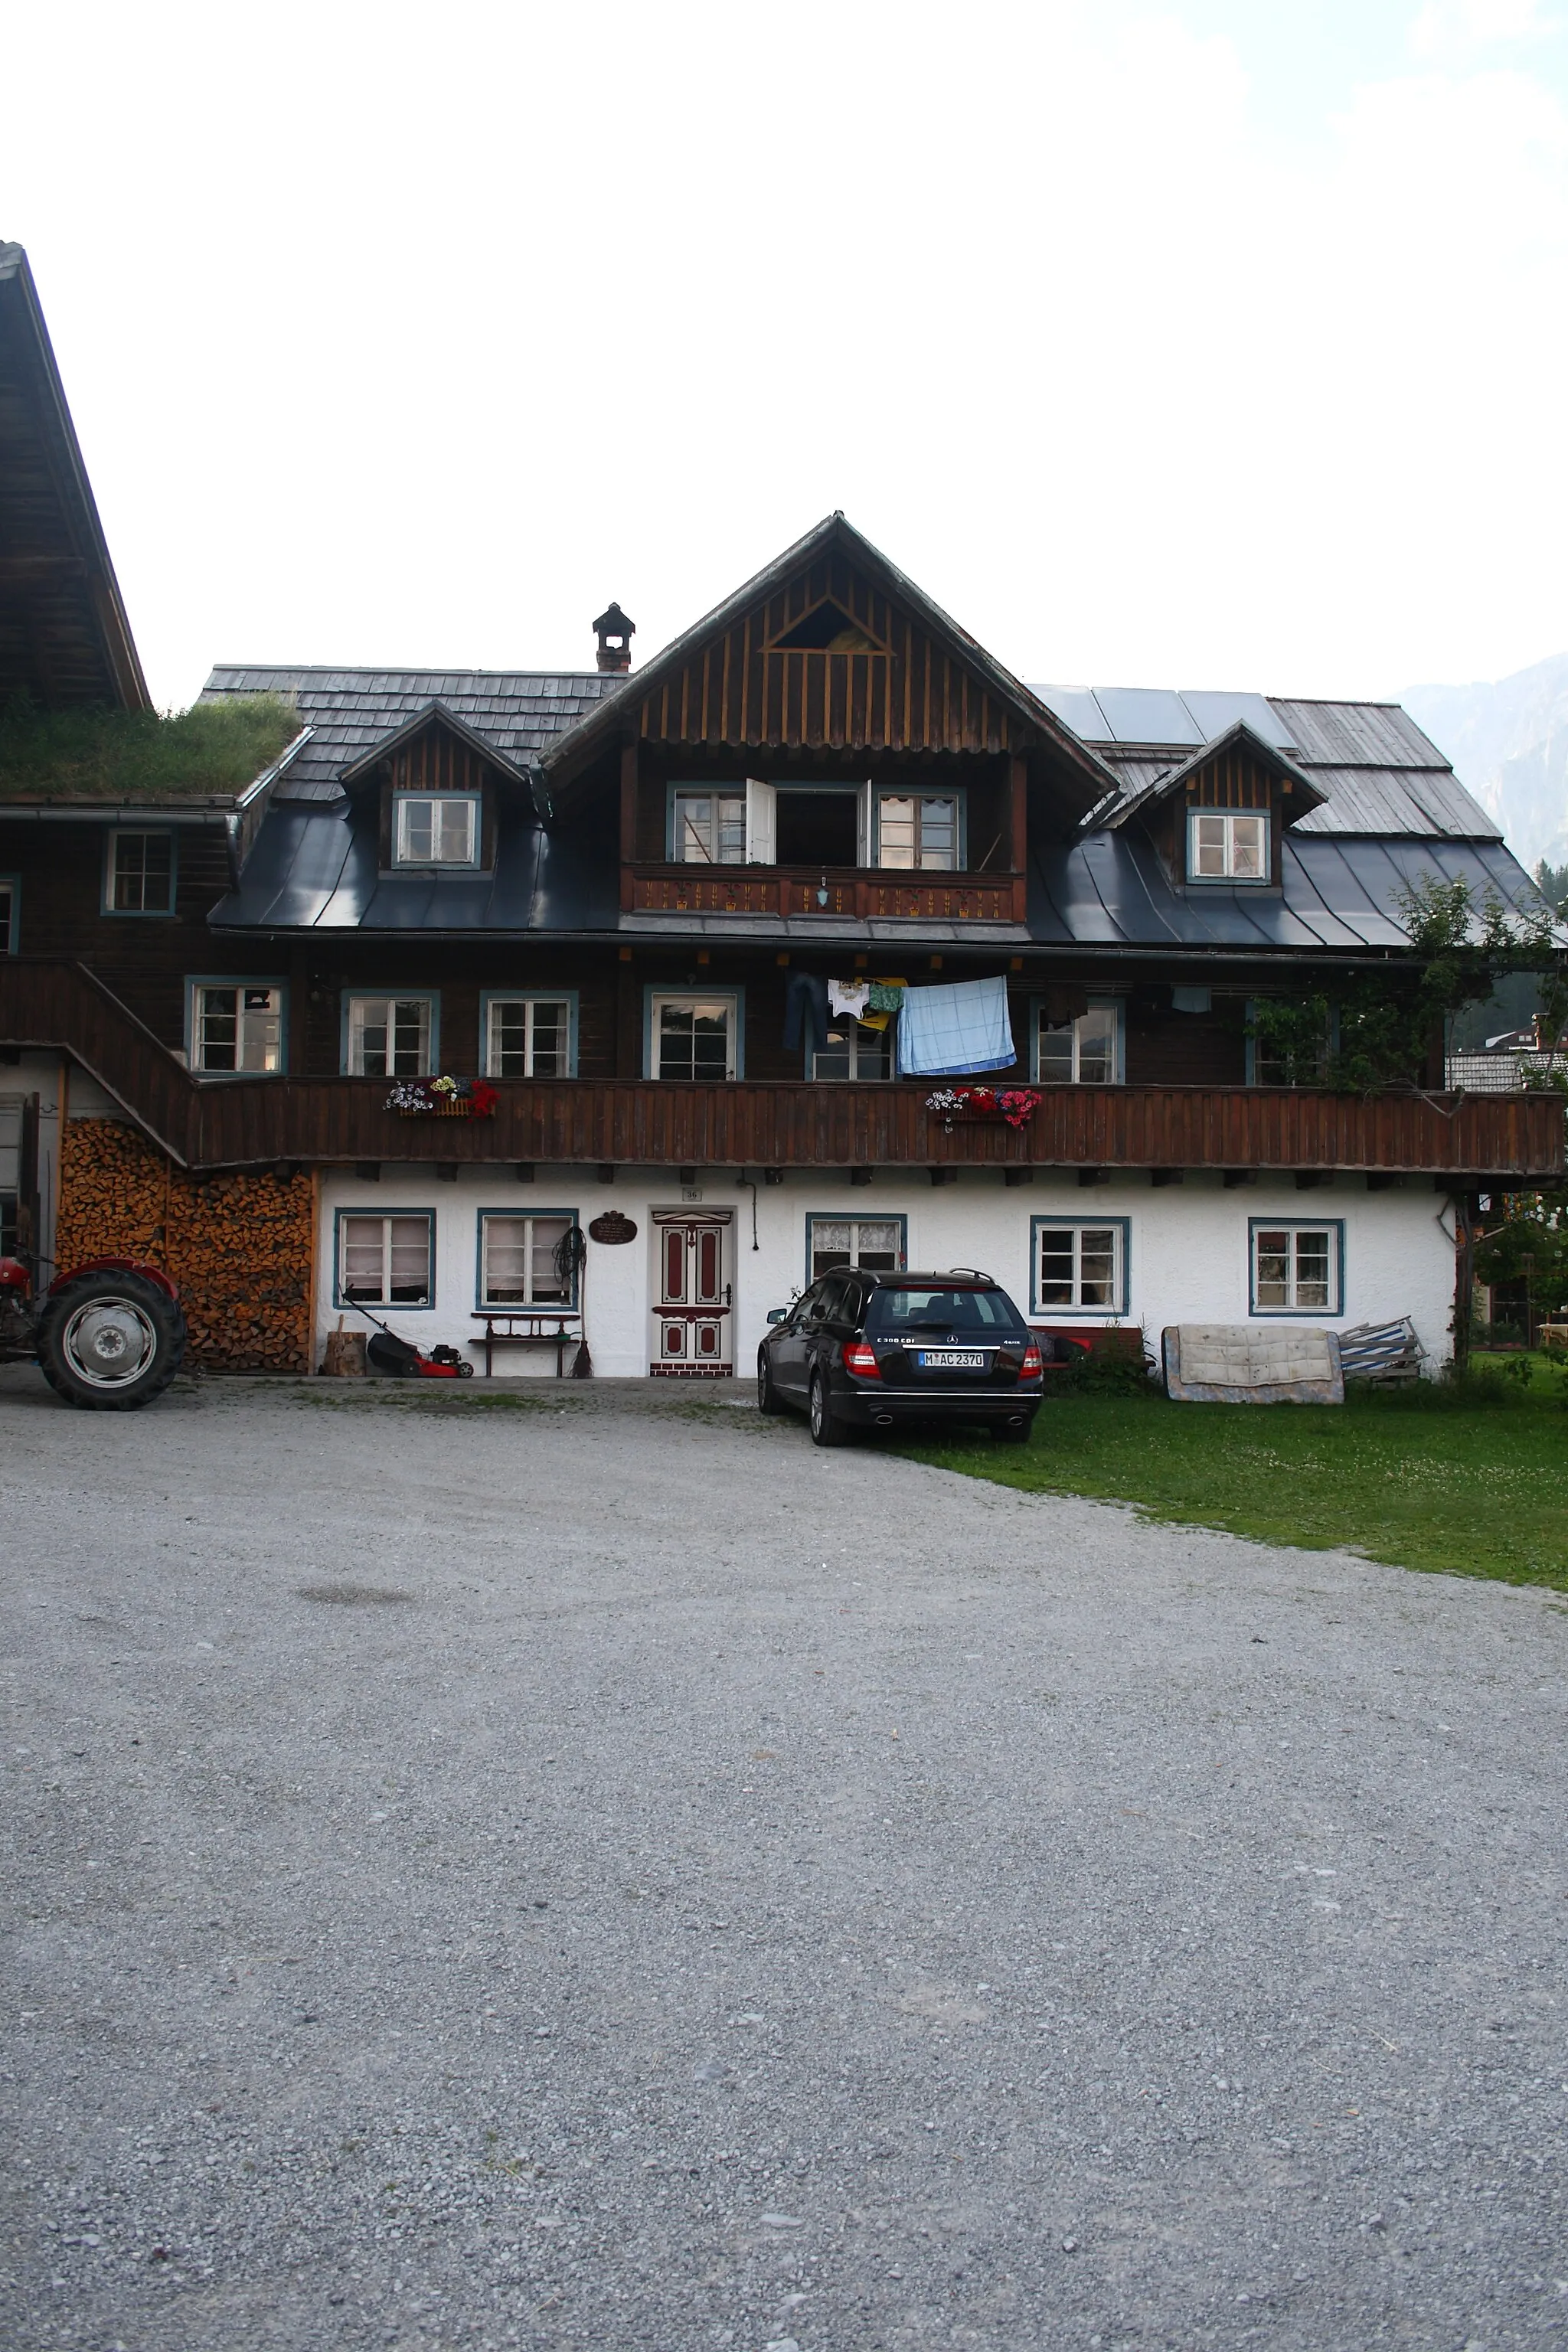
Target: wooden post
[
  {"x": 628, "y": 820},
  {"x": 1018, "y": 813},
  {"x": 298, "y": 1041}
]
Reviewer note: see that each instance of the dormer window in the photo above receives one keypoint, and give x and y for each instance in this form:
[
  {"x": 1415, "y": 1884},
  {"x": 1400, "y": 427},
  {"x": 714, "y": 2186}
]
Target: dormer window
[
  {"x": 436, "y": 828},
  {"x": 1227, "y": 845}
]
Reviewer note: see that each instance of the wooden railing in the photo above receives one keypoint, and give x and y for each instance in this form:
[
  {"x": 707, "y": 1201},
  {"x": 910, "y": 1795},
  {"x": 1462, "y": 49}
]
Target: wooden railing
[
  {"x": 788, "y": 891},
  {"x": 1503, "y": 1139}
]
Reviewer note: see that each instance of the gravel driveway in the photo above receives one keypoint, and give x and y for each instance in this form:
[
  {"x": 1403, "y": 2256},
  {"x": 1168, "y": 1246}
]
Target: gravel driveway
[{"x": 597, "y": 1872}]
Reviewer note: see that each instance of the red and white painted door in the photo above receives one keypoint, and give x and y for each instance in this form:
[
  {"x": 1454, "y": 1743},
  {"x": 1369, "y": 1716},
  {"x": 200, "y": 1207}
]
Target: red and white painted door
[{"x": 691, "y": 1315}]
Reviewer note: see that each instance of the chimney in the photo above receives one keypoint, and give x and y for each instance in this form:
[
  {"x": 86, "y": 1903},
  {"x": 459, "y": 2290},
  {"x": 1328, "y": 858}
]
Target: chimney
[{"x": 615, "y": 634}]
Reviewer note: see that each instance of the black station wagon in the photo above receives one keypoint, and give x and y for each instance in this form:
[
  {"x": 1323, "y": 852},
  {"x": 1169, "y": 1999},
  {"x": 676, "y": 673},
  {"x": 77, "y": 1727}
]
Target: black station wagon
[{"x": 864, "y": 1350}]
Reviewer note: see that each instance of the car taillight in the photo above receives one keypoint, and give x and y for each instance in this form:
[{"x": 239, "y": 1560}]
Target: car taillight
[
  {"x": 861, "y": 1360},
  {"x": 1031, "y": 1367}
]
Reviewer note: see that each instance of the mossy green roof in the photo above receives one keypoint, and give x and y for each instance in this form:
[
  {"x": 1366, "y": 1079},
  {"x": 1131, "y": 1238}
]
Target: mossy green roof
[{"x": 212, "y": 752}]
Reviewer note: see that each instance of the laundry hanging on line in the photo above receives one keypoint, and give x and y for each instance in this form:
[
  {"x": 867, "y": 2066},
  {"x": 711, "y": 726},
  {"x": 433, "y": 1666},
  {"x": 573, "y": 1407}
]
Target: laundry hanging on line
[
  {"x": 806, "y": 1011},
  {"x": 956, "y": 1028},
  {"x": 883, "y": 999},
  {"x": 848, "y": 996}
]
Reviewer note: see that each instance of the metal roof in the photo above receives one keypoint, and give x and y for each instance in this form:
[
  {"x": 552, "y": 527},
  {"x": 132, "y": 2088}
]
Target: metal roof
[
  {"x": 1112, "y": 890},
  {"x": 315, "y": 867},
  {"x": 521, "y": 712},
  {"x": 1381, "y": 774}
]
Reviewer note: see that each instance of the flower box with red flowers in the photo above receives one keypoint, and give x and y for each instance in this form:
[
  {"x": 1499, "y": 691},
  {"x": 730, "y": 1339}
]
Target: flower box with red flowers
[
  {"x": 443, "y": 1097},
  {"x": 1016, "y": 1105}
]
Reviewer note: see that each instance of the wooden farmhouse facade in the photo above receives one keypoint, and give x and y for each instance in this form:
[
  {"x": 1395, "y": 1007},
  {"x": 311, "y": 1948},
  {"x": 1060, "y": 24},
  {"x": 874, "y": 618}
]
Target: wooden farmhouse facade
[{"x": 715, "y": 950}]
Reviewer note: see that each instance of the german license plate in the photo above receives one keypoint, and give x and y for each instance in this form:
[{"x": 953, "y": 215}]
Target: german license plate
[{"x": 951, "y": 1359}]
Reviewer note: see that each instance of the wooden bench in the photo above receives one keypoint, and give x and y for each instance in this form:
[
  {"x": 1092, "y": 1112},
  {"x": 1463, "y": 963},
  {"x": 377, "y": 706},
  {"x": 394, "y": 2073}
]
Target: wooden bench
[{"x": 527, "y": 1328}]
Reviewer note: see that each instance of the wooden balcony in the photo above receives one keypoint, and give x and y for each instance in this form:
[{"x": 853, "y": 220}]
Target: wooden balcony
[
  {"x": 790, "y": 893},
  {"x": 1488, "y": 1140}
]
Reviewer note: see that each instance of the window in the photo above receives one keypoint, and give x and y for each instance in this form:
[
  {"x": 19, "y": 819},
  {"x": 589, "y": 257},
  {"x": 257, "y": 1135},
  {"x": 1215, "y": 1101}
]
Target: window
[
  {"x": 386, "y": 1261},
  {"x": 141, "y": 873},
  {"x": 390, "y": 1036},
  {"x": 1226, "y": 845},
  {"x": 693, "y": 1036},
  {"x": 1297, "y": 1269},
  {"x": 708, "y": 829},
  {"x": 1082, "y": 1053},
  {"x": 10, "y": 913},
  {"x": 236, "y": 1025},
  {"x": 920, "y": 830},
  {"x": 517, "y": 1259},
  {"x": 1081, "y": 1267},
  {"x": 852, "y": 1052},
  {"x": 874, "y": 1243},
  {"x": 436, "y": 828},
  {"x": 900, "y": 1313},
  {"x": 530, "y": 1036}
]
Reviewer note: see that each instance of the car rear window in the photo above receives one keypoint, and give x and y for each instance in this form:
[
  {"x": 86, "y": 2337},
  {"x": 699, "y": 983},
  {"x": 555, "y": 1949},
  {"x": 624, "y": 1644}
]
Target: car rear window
[{"x": 893, "y": 1311}]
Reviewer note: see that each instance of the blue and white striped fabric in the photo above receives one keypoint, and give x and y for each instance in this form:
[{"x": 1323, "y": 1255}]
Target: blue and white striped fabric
[{"x": 949, "y": 1031}]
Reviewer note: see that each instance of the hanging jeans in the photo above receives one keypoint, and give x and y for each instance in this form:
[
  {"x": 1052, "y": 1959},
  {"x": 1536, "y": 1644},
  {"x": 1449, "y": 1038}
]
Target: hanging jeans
[{"x": 805, "y": 1013}]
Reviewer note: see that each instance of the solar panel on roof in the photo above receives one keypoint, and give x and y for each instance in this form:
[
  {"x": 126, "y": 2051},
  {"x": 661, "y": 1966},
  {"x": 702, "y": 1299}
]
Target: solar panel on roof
[
  {"x": 1213, "y": 713},
  {"x": 1145, "y": 714},
  {"x": 1075, "y": 707}
]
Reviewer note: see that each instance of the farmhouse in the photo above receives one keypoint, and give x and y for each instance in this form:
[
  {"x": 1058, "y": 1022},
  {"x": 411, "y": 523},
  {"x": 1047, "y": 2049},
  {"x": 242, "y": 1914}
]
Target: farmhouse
[{"x": 716, "y": 949}]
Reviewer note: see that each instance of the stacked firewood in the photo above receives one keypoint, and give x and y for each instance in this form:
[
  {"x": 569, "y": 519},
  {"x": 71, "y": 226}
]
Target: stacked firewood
[{"x": 239, "y": 1246}]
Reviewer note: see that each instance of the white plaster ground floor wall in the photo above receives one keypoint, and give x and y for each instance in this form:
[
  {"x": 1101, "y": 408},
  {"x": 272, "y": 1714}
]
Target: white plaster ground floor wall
[{"x": 1187, "y": 1246}]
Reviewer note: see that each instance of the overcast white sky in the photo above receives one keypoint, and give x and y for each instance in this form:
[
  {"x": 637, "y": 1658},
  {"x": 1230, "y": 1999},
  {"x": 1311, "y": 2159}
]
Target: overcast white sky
[{"x": 1215, "y": 343}]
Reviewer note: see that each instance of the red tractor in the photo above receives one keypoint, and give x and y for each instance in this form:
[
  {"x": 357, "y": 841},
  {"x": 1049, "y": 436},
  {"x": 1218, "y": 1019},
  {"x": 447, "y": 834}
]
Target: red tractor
[{"x": 109, "y": 1335}]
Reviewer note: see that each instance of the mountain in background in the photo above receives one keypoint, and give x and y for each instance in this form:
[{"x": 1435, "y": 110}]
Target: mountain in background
[{"x": 1508, "y": 743}]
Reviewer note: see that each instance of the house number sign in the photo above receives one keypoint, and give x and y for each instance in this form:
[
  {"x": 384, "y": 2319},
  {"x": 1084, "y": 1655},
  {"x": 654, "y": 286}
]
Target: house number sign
[{"x": 613, "y": 1227}]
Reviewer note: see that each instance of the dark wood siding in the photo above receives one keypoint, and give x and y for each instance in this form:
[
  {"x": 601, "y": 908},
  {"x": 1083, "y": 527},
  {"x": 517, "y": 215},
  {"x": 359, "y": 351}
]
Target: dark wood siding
[{"x": 250, "y": 1122}]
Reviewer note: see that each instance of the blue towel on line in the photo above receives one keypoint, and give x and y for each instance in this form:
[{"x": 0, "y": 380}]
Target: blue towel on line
[{"x": 947, "y": 1031}]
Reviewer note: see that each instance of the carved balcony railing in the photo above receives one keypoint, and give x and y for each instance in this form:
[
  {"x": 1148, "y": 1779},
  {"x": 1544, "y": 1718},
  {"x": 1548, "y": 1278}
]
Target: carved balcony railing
[{"x": 788, "y": 893}]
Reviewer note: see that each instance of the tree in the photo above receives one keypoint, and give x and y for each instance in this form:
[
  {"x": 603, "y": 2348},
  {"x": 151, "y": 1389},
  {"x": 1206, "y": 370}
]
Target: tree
[{"x": 1382, "y": 1029}]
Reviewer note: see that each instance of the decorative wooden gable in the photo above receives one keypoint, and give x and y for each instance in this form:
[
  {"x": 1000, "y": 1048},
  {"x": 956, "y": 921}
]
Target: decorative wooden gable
[
  {"x": 827, "y": 660},
  {"x": 830, "y": 650}
]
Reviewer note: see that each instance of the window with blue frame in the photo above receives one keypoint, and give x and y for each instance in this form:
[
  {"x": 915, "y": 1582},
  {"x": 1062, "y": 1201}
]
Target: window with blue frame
[
  {"x": 389, "y": 1036},
  {"x": 520, "y": 1259},
  {"x": 386, "y": 1260},
  {"x": 530, "y": 1036},
  {"x": 140, "y": 876},
  {"x": 877, "y": 1244},
  {"x": 1296, "y": 1268},
  {"x": 1080, "y": 1265}
]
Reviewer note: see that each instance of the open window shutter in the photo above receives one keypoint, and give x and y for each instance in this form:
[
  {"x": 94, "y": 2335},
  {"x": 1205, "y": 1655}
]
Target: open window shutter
[
  {"x": 867, "y": 852},
  {"x": 762, "y": 833}
]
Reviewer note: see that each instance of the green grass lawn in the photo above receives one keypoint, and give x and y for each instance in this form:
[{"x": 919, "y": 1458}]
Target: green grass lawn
[{"x": 1472, "y": 1482}]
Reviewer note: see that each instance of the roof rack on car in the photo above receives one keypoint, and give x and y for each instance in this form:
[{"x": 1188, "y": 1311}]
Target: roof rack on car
[{"x": 973, "y": 1270}]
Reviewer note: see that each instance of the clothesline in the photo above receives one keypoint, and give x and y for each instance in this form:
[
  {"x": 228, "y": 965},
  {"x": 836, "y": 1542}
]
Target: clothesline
[{"x": 946, "y": 1029}]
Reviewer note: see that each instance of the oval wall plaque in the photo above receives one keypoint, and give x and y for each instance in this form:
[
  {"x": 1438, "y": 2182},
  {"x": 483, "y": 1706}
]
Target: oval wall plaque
[{"x": 613, "y": 1227}]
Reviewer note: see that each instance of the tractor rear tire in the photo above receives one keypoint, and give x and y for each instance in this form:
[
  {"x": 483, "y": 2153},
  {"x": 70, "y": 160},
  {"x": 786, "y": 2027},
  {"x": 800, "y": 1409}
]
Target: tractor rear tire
[{"x": 110, "y": 1341}]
